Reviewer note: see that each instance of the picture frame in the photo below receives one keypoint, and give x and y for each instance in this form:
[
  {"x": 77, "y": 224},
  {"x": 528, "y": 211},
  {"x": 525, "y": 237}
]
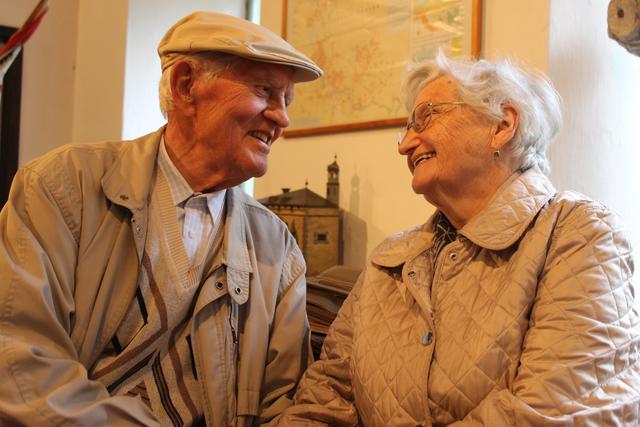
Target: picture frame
[
  {"x": 10, "y": 101},
  {"x": 364, "y": 48}
]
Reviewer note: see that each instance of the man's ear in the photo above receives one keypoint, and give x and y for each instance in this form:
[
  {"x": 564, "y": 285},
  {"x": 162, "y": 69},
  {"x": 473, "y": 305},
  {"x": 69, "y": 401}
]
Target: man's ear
[
  {"x": 182, "y": 81},
  {"x": 507, "y": 127}
]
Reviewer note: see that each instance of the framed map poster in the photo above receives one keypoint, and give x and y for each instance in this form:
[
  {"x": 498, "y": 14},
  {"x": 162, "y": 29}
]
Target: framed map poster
[{"x": 364, "y": 47}]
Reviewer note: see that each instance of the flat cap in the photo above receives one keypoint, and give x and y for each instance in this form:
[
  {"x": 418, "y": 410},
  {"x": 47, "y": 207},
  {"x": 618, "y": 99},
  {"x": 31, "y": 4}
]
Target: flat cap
[{"x": 216, "y": 32}]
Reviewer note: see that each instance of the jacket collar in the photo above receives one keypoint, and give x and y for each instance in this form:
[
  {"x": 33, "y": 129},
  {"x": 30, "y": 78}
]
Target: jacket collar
[
  {"x": 501, "y": 224},
  {"x": 235, "y": 252},
  {"x": 131, "y": 190},
  {"x": 128, "y": 183},
  {"x": 128, "y": 180},
  {"x": 236, "y": 244},
  {"x": 401, "y": 247},
  {"x": 512, "y": 209}
]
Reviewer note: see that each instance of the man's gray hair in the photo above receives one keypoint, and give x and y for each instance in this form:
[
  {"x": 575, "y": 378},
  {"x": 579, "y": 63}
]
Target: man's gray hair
[
  {"x": 212, "y": 64},
  {"x": 486, "y": 86}
]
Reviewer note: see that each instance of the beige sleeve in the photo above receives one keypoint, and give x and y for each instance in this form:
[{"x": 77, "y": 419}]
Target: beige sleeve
[
  {"x": 325, "y": 397},
  {"x": 43, "y": 383},
  {"x": 580, "y": 363}
]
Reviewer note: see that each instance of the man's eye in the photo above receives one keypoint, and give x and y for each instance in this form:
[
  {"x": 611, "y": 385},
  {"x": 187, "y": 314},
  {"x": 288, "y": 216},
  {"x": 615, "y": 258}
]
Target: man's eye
[{"x": 264, "y": 89}]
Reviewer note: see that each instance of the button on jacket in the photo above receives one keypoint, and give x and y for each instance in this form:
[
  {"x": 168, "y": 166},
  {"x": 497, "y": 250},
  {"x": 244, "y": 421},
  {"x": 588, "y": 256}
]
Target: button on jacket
[
  {"x": 529, "y": 318},
  {"x": 71, "y": 236}
]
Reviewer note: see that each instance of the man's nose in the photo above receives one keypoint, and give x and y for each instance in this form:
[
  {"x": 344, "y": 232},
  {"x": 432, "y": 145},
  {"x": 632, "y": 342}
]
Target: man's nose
[{"x": 277, "y": 113}]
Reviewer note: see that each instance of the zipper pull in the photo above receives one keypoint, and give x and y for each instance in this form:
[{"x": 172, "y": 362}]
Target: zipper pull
[
  {"x": 233, "y": 334},
  {"x": 233, "y": 330}
]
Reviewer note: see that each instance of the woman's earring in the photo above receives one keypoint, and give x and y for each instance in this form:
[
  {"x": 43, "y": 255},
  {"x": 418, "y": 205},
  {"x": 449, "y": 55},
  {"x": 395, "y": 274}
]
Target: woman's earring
[{"x": 496, "y": 155}]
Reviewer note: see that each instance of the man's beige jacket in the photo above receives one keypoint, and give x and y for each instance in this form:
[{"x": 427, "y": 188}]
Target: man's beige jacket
[
  {"x": 531, "y": 320},
  {"x": 71, "y": 238}
]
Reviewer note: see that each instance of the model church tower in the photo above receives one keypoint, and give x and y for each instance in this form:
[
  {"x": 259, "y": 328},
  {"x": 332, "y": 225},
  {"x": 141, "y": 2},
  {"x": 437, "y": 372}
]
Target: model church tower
[
  {"x": 333, "y": 182},
  {"x": 313, "y": 220}
]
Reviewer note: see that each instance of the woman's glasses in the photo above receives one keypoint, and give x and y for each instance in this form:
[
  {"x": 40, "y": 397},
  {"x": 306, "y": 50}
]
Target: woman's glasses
[{"x": 421, "y": 116}]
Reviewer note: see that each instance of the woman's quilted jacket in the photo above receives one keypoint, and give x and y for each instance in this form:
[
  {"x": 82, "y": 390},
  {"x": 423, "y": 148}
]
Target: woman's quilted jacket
[{"x": 529, "y": 318}]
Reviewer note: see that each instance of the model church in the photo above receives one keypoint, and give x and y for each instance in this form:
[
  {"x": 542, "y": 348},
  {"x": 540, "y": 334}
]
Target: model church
[{"x": 313, "y": 220}]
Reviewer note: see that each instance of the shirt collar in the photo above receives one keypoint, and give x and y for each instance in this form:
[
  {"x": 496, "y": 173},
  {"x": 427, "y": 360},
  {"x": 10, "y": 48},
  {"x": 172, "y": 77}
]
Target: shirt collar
[{"x": 181, "y": 191}]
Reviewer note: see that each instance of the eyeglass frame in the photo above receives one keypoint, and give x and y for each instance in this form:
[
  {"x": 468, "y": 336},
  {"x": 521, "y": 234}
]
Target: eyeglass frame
[{"x": 413, "y": 124}]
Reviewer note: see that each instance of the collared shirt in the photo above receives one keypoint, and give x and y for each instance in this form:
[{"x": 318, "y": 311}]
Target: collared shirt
[
  {"x": 198, "y": 213},
  {"x": 444, "y": 233}
]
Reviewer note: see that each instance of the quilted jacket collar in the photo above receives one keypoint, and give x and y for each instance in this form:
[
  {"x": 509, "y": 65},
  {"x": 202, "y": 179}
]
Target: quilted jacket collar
[
  {"x": 401, "y": 247},
  {"x": 515, "y": 205},
  {"x": 497, "y": 227}
]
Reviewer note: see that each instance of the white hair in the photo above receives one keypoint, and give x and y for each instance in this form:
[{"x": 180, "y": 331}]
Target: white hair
[
  {"x": 212, "y": 65},
  {"x": 486, "y": 86}
]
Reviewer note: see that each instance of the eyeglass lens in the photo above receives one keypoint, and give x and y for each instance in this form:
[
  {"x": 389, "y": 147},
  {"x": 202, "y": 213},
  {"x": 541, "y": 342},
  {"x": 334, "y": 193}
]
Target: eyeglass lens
[
  {"x": 420, "y": 117},
  {"x": 418, "y": 120}
]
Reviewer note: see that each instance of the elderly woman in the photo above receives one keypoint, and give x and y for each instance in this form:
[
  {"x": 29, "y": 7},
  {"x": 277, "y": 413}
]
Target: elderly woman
[{"x": 513, "y": 305}]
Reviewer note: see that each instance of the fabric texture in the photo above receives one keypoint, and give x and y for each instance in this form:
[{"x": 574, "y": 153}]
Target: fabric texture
[
  {"x": 197, "y": 227},
  {"x": 198, "y": 214},
  {"x": 151, "y": 352},
  {"x": 531, "y": 319},
  {"x": 72, "y": 237}
]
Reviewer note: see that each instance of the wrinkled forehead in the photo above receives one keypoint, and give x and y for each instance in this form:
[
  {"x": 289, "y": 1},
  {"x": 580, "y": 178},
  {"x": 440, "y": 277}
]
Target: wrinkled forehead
[
  {"x": 276, "y": 76},
  {"x": 441, "y": 89}
]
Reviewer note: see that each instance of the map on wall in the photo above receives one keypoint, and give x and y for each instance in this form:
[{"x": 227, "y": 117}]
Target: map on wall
[{"x": 364, "y": 47}]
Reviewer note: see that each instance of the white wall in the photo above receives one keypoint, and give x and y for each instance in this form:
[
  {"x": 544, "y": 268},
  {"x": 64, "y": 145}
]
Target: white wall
[
  {"x": 99, "y": 70},
  {"x": 375, "y": 183},
  {"x": 148, "y": 21},
  {"x": 46, "y": 116},
  {"x": 598, "y": 150},
  {"x": 76, "y": 86}
]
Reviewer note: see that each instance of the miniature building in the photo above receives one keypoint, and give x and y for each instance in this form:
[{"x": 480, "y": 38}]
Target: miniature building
[
  {"x": 333, "y": 182},
  {"x": 313, "y": 220}
]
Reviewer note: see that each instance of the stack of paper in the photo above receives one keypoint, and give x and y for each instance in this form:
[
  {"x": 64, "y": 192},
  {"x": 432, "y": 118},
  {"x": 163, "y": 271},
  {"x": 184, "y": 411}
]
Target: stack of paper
[{"x": 325, "y": 294}]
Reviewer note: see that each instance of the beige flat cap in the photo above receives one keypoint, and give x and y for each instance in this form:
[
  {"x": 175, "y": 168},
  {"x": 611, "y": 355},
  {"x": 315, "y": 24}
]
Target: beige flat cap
[{"x": 216, "y": 32}]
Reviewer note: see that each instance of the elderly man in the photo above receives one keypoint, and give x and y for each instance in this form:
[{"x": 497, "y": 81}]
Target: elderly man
[{"x": 137, "y": 285}]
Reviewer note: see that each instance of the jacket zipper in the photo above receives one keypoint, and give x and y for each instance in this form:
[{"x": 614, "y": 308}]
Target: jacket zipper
[
  {"x": 234, "y": 336},
  {"x": 232, "y": 361}
]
